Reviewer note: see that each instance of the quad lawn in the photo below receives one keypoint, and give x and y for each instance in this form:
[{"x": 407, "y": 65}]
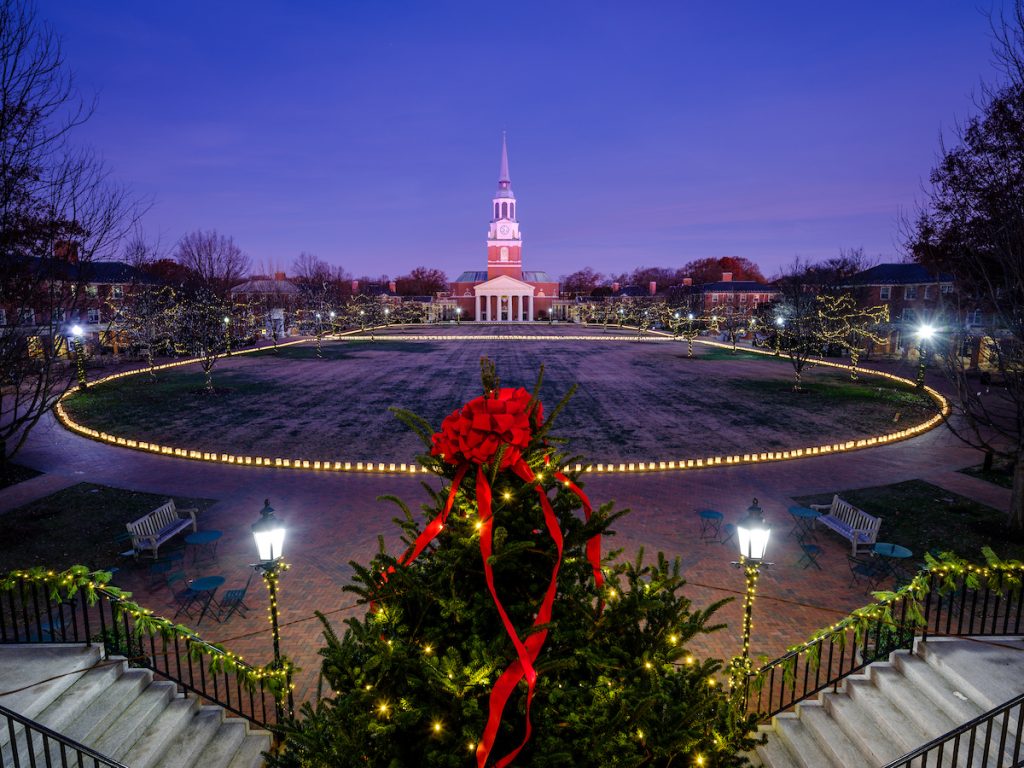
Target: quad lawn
[
  {"x": 80, "y": 525},
  {"x": 924, "y": 517},
  {"x": 635, "y": 400}
]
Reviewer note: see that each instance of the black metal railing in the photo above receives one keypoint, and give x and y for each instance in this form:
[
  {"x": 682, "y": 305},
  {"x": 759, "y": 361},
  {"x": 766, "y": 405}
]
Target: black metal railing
[
  {"x": 30, "y": 612},
  {"x": 29, "y": 743},
  {"x": 991, "y": 740},
  {"x": 990, "y": 609}
]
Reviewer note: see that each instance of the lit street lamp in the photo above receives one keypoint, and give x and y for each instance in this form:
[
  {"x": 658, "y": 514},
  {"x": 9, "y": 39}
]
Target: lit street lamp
[
  {"x": 269, "y": 532},
  {"x": 458, "y": 315},
  {"x": 752, "y": 534},
  {"x": 924, "y": 335},
  {"x": 76, "y": 334},
  {"x": 227, "y": 334}
]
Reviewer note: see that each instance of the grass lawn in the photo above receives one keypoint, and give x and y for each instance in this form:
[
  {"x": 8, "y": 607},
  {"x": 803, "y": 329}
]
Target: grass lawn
[
  {"x": 634, "y": 401},
  {"x": 1001, "y": 473},
  {"x": 923, "y": 516},
  {"x": 76, "y": 526},
  {"x": 12, "y": 474}
]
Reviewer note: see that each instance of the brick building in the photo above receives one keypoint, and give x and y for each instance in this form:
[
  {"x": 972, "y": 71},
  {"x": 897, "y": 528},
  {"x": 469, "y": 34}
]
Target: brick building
[{"x": 505, "y": 292}]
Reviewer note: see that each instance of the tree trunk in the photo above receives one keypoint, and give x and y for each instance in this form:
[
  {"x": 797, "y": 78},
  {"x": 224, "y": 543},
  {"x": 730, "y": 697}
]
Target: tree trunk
[
  {"x": 1015, "y": 519},
  {"x": 854, "y": 358},
  {"x": 208, "y": 370},
  {"x": 689, "y": 347}
]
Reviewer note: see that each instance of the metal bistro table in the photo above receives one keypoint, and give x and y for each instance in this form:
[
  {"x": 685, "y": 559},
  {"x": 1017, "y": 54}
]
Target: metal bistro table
[
  {"x": 892, "y": 556},
  {"x": 206, "y": 540},
  {"x": 710, "y": 524},
  {"x": 205, "y": 589}
]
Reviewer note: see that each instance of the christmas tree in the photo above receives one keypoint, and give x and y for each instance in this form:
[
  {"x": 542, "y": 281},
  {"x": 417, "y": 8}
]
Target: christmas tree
[{"x": 432, "y": 675}]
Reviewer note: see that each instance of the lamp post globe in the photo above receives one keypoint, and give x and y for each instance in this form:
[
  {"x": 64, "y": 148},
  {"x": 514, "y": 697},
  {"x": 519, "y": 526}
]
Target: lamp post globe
[
  {"x": 753, "y": 533},
  {"x": 76, "y": 331},
  {"x": 269, "y": 534}
]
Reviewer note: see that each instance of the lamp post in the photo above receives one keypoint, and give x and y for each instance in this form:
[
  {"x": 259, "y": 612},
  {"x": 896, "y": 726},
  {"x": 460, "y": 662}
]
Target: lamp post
[
  {"x": 752, "y": 534},
  {"x": 362, "y": 315},
  {"x": 76, "y": 334},
  {"x": 924, "y": 335},
  {"x": 319, "y": 335},
  {"x": 227, "y": 334},
  {"x": 269, "y": 535},
  {"x": 458, "y": 315},
  {"x": 780, "y": 323}
]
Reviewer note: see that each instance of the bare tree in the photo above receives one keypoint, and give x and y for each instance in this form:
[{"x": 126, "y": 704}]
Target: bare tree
[
  {"x": 794, "y": 318},
  {"x": 214, "y": 260},
  {"x": 199, "y": 329},
  {"x": 845, "y": 323},
  {"x": 147, "y": 319},
  {"x": 58, "y": 212},
  {"x": 972, "y": 225}
]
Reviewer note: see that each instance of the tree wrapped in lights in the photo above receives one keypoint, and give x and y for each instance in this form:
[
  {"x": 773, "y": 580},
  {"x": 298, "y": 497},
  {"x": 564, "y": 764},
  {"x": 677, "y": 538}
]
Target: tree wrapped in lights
[
  {"x": 147, "y": 321},
  {"x": 617, "y": 680},
  {"x": 199, "y": 329},
  {"x": 845, "y": 323}
]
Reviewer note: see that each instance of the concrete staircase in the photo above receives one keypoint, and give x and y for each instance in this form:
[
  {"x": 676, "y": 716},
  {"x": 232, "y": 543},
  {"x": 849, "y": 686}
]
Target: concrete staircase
[
  {"x": 120, "y": 712},
  {"x": 895, "y": 706}
]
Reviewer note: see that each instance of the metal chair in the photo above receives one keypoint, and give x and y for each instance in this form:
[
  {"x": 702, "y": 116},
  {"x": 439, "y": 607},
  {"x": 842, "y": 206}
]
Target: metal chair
[
  {"x": 184, "y": 599},
  {"x": 728, "y": 533},
  {"x": 869, "y": 569},
  {"x": 809, "y": 556},
  {"x": 234, "y": 600}
]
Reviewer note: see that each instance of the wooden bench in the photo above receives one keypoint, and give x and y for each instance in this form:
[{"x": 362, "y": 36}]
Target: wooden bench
[
  {"x": 850, "y": 523},
  {"x": 160, "y": 525}
]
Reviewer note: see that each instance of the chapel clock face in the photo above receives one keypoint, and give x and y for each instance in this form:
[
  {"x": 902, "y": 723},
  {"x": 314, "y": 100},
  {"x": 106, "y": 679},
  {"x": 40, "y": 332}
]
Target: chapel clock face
[{"x": 503, "y": 229}]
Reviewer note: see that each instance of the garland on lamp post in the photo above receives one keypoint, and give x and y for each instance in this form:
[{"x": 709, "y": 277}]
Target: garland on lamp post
[
  {"x": 752, "y": 535},
  {"x": 269, "y": 534},
  {"x": 76, "y": 333}
]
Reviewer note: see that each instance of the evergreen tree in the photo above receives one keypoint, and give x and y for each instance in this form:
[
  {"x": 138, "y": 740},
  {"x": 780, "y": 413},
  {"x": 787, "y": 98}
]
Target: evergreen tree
[{"x": 617, "y": 683}]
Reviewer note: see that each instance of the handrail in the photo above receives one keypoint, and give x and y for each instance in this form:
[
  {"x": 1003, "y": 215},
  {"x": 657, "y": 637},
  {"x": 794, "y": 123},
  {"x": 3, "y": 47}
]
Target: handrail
[
  {"x": 77, "y": 606},
  {"x": 949, "y": 597},
  {"x": 976, "y": 753},
  {"x": 68, "y": 751}
]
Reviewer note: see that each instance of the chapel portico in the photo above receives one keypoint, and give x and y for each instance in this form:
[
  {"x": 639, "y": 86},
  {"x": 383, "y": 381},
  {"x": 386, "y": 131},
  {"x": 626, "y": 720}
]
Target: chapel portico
[{"x": 504, "y": 300}]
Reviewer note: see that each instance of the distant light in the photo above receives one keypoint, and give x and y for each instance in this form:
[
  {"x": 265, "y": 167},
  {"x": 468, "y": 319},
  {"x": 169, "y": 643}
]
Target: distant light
[
  {"x": 925, "y": 332},
  {"x": 226, "y": 319},
  {"x": 780, "y": 321},
  {"x": 76, "y": 330},
  {"x": 690, "y": 316}
]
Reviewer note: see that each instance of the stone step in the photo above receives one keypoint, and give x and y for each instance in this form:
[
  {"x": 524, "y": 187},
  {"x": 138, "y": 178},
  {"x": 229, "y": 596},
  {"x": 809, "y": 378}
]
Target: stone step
[
  {"x": 935, "y": 688},
  {"x": 860, "y": 728},
  {"x": 833, "y": 741},
  {"x": 118, "y": 739},
  {"x": 190, "y": 741},
  {"x": 38, "y": 674},
  {"x": 224, "y": 744},
  {"x": 150, "y": 746},
  {"x": 905, "y": 696},
  {"x": 896, "y": 726},
  {"x": 250, "y": 753},
  {"x": 800, "y": 742},
  {"x": 108, "y": 706},
  {"x": 987, "y": 670},
  {"x": 774, "y": 754}
]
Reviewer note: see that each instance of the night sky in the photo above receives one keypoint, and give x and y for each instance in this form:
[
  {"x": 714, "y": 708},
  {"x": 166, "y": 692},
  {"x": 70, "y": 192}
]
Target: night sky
[{"x": 640, "y": 133}]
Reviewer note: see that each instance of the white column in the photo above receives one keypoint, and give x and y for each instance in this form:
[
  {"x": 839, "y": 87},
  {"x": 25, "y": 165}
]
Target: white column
[
  {"x": 530, "y": 309},
  {"x": 522, "y": 307}
]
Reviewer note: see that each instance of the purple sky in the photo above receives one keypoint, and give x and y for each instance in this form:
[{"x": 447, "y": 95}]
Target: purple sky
[{"x": 640, "y": 133}]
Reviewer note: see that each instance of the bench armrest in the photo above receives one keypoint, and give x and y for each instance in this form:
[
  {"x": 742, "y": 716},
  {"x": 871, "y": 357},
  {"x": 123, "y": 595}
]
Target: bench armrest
[
  {"x": 147, "y": 540},
  {"x": 190, "y": 512}
]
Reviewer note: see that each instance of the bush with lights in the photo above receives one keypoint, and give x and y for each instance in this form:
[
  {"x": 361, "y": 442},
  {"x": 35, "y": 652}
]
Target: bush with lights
[{"x": 433, "y": 676}]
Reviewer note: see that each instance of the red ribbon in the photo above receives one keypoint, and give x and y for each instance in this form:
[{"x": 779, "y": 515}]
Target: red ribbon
[{"x": 526, "y": 651}]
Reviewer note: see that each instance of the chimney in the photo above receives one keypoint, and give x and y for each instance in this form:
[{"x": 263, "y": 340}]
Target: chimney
[
  {"x": 687, "y": 281},
  {"x": 393, "y": 287},
  {"x": 279, "y": 276},
  {"x": 727, "y": 277},
  {"x": 652, "y": 287},
  {"x": 355, "y": 286},
  {"x": 615, "y": 287}
]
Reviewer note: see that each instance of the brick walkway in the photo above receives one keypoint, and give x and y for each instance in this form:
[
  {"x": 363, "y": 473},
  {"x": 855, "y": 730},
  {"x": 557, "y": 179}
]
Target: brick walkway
[{"x": 333, "y": 519}]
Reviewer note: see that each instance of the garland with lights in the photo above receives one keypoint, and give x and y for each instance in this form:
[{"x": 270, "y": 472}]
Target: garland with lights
[
  {"x": 753, "y": 457},
  {"x": 418, "y": 679},
  {"x": 1001, "y": 577},
  {"x": 79, "y": 581}
]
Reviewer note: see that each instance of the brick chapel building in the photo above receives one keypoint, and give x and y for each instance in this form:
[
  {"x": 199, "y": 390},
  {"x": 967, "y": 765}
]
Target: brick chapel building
[{"x": 505, "y": 293}]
